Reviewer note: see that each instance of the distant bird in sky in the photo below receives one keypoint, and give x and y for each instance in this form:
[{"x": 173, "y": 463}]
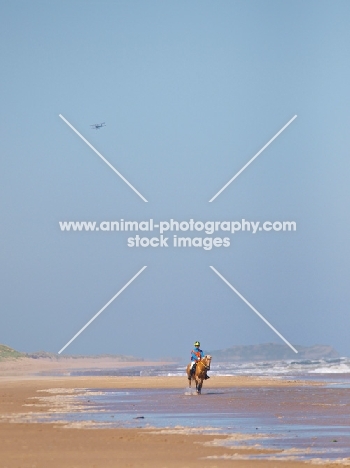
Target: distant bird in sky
[{"x": 97, "y": 126}]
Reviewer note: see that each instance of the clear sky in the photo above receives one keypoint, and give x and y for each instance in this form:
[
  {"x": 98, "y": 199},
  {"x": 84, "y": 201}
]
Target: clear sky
[{"x": 189, "y": 91}]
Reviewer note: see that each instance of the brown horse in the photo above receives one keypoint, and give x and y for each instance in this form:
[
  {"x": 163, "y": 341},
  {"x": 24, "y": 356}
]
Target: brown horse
[{"x": 202, "y": 367}]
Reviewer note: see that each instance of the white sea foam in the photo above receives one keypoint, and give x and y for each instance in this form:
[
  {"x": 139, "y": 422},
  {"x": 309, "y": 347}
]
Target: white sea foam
[
  {"x": 273, "y": 368},
  {"x": 343, "y": 368}
]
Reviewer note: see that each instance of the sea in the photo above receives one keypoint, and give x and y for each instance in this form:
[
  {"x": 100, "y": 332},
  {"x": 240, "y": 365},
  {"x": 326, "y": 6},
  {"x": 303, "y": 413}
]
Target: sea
[{"x": 284, "y": 369}]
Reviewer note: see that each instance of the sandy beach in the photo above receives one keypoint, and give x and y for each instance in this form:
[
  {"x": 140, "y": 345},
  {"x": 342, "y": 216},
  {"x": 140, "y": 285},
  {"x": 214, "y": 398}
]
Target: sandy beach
[
  {"x": 27, "y": 443},
  {"x": 27, "y": 366}
]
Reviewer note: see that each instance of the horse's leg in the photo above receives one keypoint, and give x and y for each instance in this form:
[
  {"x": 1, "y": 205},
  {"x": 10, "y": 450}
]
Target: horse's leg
[
  {"x": 200, "y": 383},
  {"x": 189, "y": 375}
]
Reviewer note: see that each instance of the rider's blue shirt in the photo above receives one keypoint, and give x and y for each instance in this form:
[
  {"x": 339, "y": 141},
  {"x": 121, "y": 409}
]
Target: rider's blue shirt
[{"x": 196, "y": 354}]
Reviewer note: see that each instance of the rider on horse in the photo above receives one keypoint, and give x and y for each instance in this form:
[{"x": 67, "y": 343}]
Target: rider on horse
[{"x": 196, "y": 355}]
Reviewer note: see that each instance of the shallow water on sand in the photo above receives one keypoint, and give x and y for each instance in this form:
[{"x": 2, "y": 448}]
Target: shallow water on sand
[{"x": 302, "y": 422}]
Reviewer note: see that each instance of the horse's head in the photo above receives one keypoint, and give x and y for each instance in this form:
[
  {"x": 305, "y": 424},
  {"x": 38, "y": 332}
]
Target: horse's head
[{"x": 206, "y": 361}]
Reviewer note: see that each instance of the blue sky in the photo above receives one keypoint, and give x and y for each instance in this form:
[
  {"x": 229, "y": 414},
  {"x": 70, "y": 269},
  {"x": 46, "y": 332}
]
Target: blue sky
[{"x": 189, "y": 91}]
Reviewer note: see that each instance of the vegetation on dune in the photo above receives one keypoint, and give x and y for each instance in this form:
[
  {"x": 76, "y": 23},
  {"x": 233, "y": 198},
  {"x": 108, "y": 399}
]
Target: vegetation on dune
[{"x": 8, "y": 353}]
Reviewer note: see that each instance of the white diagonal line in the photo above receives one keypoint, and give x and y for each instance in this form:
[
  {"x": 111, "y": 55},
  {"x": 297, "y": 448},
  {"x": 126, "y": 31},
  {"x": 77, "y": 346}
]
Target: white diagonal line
[
  {"x": 104, "y": 159},
  {"x": 100, "y": 311},
  {"x": 253, "y": 309},
  {"x": 254, "y": 157}
]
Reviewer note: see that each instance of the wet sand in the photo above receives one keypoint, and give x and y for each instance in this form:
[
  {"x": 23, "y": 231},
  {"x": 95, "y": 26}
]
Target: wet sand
[{"x": 56, "y": 445}]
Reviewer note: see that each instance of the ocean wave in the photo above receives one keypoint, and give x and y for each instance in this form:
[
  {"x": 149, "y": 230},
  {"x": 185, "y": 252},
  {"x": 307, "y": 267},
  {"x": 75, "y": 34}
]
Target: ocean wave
[
  {"x": 262, "y": 368},
  {"x": 272, "y": 368}
]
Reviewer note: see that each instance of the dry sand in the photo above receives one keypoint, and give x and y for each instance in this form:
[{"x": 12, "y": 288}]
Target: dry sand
[
  {"x": 46, "y": 445},
  {"x": 28, "y": 366}
]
